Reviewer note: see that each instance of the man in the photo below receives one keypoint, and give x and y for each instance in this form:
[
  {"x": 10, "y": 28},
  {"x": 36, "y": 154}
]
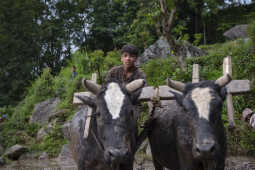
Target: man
[
  {"x": 128, "y": 71},
  {"x": 74, "y": 73}
]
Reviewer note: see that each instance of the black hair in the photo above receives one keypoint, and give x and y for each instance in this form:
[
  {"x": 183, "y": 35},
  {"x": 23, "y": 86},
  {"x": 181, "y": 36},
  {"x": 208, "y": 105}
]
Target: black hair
[{"x": 131, "y": 49}]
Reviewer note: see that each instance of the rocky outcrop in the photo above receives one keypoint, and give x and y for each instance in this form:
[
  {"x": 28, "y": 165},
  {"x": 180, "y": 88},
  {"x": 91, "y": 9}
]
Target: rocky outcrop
[
  {"x": 238, "y": 31},
  {"x": 44, "y": 111},
  {"x": 15, "y": 152},
  {"x": 162, "y": 49}
]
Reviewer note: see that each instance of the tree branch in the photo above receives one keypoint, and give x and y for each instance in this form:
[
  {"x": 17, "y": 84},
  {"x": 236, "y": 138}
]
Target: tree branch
[{"x": 171, "y": 20}]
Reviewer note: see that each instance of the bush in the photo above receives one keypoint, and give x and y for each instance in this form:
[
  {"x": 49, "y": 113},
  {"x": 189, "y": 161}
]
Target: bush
[
  {"x": 251, "y": 32},
  {"x": 53, "y": 142}
]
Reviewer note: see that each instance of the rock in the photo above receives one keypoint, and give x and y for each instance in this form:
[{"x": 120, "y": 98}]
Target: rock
[
  {"x": 1, "y": 150},
  {"x": 44, "y": 110},
  {"x": 252, "y": 121},
  {"x": 66, "y": 152},
  {"x": 238, "y": 31},
  {"x": 66, "y": 130},
  {"x": 161, "y": 49},
  {"x": 239, "y": 163},
  {"x": 2, "y": 161},
  {"x": 44, "y": 155},
  {"x": 58, "y": 114},
  {"x": 29, "y": 156},
  {"x": 65, "y": 158},
  {"x": 44, "y": 132},
  {"x": 15, "y": 152},
  {"x": 246, "y": 114},
  {"x": 40, "y": 134},
  {"x": 188, "y": 50}
]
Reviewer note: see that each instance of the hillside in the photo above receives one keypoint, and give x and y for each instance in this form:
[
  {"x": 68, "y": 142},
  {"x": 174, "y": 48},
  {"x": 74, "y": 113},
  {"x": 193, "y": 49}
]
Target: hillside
[{"x": 18, "y": 129}]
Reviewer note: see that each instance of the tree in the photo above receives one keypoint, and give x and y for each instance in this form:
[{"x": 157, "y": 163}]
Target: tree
[{"x": 34, "y": 35}]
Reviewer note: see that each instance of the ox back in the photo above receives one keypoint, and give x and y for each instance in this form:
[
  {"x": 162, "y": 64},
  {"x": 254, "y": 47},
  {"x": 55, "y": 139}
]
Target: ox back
[{"x": 189, "y": 134}]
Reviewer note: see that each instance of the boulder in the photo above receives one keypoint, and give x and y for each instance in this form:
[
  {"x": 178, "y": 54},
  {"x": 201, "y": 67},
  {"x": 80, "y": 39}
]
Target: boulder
[
  {"x": 44, "y": 110},
  {"x": 44, "y": 132},
  {"x": 44, "y": 155},
  {"x": 238, "y": 31},
  {"x": 252, "y": 121},
  {"x": 66, "y": 130},
  {"x": 66, "y": 152},
  {"x": 162, "y": 49},
  {"x": 58, "y": 114},
  {"x": 65, "y": 158},
  {"x": 15, "y": 152},
  {"x": 40, "y": 134},
  {"x": 246, "y": 114}
]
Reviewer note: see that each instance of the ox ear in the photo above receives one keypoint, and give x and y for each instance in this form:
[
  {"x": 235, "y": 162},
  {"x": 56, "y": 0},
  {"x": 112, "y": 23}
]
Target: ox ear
[
  {"x": 134, "y": 85},
  {"x": 178, "y": 97},
  {"x": 177, "y": 85},
  {"x": 91, "y": 86},
  {"x": 223, "y": 80},
  {"x": 91, "y": 101}
]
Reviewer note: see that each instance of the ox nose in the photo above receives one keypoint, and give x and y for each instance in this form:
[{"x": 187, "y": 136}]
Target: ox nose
[
  {"x": 116, "y": 155},
  {"x": 205, "y": 149}
]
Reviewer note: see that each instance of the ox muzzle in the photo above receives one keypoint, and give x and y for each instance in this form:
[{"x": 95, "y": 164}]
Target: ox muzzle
[{"x": 204, "y": 142}]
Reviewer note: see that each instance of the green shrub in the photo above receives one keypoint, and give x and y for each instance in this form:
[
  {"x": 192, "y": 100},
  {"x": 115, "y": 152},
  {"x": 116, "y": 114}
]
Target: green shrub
[
  {"x": 251, "y": 32},
  {"x": 53, "y": 142},
  {"x": 158, "y": 70}
]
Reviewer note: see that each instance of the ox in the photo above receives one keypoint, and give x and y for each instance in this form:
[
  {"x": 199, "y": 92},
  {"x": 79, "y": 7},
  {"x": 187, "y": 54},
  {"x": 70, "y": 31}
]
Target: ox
[
  {"x": 189, "y": 134},
  {"x": 112, "y": 134}
]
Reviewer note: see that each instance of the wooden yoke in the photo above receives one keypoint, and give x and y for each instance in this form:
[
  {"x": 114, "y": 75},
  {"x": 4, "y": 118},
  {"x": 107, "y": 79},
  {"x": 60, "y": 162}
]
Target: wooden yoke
[
  {"x": 227, "y": 69},
  {"x": 77, "y": 101},
  {"x": 195, "y": 73},
  {"x": 235, "y": 87}
]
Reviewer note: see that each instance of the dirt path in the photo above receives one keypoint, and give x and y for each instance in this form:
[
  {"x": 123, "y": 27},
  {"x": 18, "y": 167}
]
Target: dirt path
[{"x": 232, "y": 163}]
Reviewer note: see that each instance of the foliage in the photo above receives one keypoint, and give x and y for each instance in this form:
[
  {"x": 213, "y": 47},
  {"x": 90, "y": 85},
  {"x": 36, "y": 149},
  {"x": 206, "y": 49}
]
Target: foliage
[
  {"x": 53, "y": 142},
  {"x": 41, "y": 89},
  {"x": 251, "y": 32},
  {"x": 158, "y": 70},
  {"x": 197, "y": 38}
]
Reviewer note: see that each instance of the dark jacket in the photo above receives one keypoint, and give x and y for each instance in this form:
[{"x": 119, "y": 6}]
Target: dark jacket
[{"x": 117, "y": 73}]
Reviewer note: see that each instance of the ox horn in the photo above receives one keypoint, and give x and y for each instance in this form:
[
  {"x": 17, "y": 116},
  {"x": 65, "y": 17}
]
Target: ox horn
[
  {"x": 91, "y": 86},
  {"x": 177, "y": 85},
  {"x": 134, "y": 85},
  {"x": 223, "y": 80}
]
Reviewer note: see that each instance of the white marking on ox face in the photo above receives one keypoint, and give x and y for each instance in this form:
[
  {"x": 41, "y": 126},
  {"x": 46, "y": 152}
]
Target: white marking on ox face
[
  {"x": 114, "y": 99},
  {"x": 202, "y": 98}
]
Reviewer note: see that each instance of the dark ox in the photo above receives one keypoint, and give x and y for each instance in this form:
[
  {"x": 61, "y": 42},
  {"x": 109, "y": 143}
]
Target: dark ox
[
  {"x": 190, "y": 135},
  {"x": 112, "y": 135}
]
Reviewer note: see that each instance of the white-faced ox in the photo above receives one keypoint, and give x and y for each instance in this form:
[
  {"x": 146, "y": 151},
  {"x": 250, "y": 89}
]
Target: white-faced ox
[
  {"x": 112, "y": 134},
  {"x": 189, "y": 134}
]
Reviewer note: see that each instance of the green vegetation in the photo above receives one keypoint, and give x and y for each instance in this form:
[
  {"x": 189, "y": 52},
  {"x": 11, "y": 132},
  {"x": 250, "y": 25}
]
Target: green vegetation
[
  {"x": 36, "y": 58},
  {"x": 240, "y": 141}
]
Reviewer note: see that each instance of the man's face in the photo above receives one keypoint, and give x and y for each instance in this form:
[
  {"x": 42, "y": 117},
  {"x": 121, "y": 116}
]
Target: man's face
[{"x": 128, "y": 60}]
